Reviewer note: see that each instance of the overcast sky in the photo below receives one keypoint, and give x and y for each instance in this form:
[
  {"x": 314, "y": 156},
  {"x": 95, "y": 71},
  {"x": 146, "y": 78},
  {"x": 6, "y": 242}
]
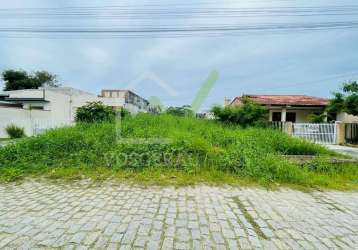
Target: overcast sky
[{"x": 311, "y": 63}]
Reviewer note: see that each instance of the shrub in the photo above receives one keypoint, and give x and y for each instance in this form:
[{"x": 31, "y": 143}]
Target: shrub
[
  {"x": 317, "y": 118},
  {"x": 124, "y": 113},
  {"x": 95, "y": 112},
  {"x": 14, "y": 131},
  {"x": 247, "y": 114},
  {"x": 180, "y": 111}
]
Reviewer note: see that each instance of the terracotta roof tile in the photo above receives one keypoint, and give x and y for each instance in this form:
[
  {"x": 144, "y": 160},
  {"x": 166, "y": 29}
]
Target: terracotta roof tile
[{"x": 300, "y": 100}]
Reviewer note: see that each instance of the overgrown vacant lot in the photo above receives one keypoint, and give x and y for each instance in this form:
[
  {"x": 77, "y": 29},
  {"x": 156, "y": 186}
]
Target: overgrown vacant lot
[{"x": 174, "y": 150}]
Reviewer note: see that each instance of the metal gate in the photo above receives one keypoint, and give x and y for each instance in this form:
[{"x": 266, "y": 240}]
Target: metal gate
[
  {"x": 322, "y": 133},
  {"x": 351, "y": 133}
]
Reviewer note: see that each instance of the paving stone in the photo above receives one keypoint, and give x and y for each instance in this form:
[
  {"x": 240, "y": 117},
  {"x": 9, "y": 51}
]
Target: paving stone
[
  {"x": 116, "y": 238},
  {"x": 232, "y": 244},
  {"x": 218, "y": 238},
  {"x": 101, "y": 242},
  {"x": 140, "y": 242},
  {"x": 182, "y": 234},
  {"x": 168, "y": 243},
  {"x": 153, "y": 245},
  {"x": 195, "y": 234},
  {"x": 78, "y": 237},
  {"x": 181, "y": 246}
]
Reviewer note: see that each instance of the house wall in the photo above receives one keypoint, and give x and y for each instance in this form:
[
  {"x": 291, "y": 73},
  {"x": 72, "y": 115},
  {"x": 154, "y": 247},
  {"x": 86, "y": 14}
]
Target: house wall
[
  {"x": 59, "y": 106},
  {"x": 301, "y": 114},
  {"x": 26, "y": 93},
  {"x": 114, "y": 93},
  {"x": 134, "y": 109},
  {"x": 346, "y": 118},
  {"x": 113, "y": 102}
]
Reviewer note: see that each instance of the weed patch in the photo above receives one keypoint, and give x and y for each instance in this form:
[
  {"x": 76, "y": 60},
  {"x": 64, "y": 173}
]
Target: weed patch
[{"x": 197, "y": 150}]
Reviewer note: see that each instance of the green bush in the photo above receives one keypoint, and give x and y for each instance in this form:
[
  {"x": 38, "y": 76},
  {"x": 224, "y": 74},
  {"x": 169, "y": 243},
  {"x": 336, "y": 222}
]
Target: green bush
[
  {"x": 14, "y": 131},
  {"x": 95, "y": 112},
  {"x": 124, "y": 113},
  {"x": 317, "y": 118},
  {"x": 180, "y": 111},
  {"x": 181, "y": 143},
  {"x": 247, "y": 114}
]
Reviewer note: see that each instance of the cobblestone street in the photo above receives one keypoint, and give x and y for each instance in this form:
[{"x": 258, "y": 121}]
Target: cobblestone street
[{"x": 112, "y": 216}]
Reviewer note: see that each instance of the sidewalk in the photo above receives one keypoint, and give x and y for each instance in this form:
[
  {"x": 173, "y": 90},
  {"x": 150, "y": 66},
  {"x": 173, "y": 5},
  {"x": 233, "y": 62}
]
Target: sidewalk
[
  {"x": 351, "y": 151},
  {"x": 116, "y": 216}
]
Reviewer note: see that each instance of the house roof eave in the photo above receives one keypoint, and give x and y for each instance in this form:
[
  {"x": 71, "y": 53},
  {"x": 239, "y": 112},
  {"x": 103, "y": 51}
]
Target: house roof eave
[{"x": 26, "y": 99}]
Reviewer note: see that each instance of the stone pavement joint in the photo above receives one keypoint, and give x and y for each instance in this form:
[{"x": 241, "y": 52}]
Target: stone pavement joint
[
  {"x": 250, "y": 218},
  {"x": 90, "y": 215}
]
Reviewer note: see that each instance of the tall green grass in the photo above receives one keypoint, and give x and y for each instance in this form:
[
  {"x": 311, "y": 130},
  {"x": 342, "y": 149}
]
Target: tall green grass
[{"x": 170, "y": 143}]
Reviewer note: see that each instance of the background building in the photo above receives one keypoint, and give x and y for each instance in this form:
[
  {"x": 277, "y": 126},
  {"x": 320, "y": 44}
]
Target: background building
[{"x": 39, "y": 109}]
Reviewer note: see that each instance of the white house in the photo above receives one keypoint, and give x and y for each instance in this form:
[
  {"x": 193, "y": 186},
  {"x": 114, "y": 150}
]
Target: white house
[
  {"x": 39, "y": 109},
  {"x": 292, "y": 108}
]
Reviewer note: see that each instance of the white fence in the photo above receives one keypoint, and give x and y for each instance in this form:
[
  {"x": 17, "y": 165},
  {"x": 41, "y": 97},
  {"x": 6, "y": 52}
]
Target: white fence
[{"x": 323, "y": 133}]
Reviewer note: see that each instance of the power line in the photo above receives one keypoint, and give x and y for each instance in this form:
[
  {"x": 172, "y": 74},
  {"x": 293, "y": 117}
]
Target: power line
[
  {"x": 175, "y": 5},
  {"x": 167, "y": 29},
  {"x": 152, "y": 13},
  {"x": 185, "y": 29}
]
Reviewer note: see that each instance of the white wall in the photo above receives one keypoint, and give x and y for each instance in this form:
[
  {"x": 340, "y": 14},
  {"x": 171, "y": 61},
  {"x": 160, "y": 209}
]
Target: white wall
[
  {"x": 301, "y": 114},
  {"x": 29, "y": 93},
  {"x": 115, "y": 102},
  {"x": 59, "y": 105},
  {"x": 30, "y": 120},
  {"x": 133, "y": 108},
  {"x": 346, "y": 118}
]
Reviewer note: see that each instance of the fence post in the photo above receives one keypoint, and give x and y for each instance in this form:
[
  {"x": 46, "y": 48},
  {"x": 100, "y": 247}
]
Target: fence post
[
  {"x": 289, "y": 128},
  {"x": 340, "y": 133}
]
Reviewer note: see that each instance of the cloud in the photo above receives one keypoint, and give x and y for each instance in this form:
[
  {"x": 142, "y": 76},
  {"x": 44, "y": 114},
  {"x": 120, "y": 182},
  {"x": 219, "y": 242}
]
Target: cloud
[
  {"x": 97, "y": 55},
  {"x": 246, "y": 62}
]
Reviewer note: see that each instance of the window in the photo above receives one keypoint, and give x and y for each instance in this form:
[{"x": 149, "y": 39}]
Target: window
[
  {"x": 276, "y": 116},
  {"x": 291, "y": 117},
  {"x": 37, "y": 107}
]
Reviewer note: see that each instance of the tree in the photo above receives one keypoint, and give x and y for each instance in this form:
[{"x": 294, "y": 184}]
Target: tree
[
  {"x": 45, "y": 78},
  {"x": 95, "y": 112},
  {"x": 247, "y": 114},
  {"x": 180, "y": 111},
  {"x": 345, "y": 101},
  {"x": 20, "y": 79}
]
